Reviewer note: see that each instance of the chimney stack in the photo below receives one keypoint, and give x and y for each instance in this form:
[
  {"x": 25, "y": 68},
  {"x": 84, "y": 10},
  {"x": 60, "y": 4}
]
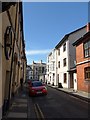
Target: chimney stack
[
  {"x": 88, "y": 27},
  {"x": 33, "y": 61},
  {"x": 41, "y": 61}
]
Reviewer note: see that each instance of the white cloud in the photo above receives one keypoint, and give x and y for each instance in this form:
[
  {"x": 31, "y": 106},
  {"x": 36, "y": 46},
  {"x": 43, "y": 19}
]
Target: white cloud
[{"x": 37, "y": 52}]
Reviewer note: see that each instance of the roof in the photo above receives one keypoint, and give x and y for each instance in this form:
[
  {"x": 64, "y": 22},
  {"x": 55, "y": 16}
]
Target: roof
[
  {"x": 40, "y": 63},
  {"x": 50, "y": 54},
  {"x": 80, "y": 40},
  {"x": 66, "y": 37}
]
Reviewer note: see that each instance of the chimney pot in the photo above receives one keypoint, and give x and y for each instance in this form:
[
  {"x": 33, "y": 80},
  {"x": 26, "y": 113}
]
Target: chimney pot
[{"x": 88, "y": 27}]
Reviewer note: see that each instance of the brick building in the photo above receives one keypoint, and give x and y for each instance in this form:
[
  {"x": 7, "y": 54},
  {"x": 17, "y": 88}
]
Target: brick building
[{"x": 83, "y": 61}]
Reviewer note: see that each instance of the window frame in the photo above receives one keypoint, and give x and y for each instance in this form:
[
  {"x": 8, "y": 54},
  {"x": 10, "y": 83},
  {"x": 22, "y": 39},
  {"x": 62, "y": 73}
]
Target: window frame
[
  {"x": 58, "y": 64},
  {"x": 86, "y": 50},
  {"x": 64, "y": 62},
  {"x": 65, "y": 77},
  {"x": 64, "y": 47},
  {"x": 59, "y": 52},
  {"x": 87, "y": 73}
]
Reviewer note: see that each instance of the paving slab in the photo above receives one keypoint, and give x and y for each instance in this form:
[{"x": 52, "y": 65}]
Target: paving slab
[
  {"x": 18, "y": 109},
  {"x": 17, "y": 115}
]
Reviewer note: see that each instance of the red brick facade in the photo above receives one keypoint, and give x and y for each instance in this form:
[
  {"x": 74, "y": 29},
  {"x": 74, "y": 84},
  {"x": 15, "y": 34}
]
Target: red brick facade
[
  {"x": 83, "y": 85},
  {"x": 82, "y": 63}
]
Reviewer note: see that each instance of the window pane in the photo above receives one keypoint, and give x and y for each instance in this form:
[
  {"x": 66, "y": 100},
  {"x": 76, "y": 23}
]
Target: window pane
[
  {"x": 64, "y": 47},
  {"x": 58, "y": 51},
  {"x": 87, "y": 73},
  {"x": 65, "y": 77},
  {"x": 89, "y": 43},
  {"x": 85, "y": 45},
  {"x": 86, "y": 53},
  {"x": 89, "y": 51},
  {"x": 64, "y": 62},
  {"x": 59, "y": 64}
]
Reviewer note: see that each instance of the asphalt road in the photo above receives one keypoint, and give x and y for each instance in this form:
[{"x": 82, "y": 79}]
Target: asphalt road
[{"x": 58, "y": 104}]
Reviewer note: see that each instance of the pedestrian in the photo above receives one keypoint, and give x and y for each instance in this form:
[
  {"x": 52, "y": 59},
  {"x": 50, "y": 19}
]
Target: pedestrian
[
  {"x": 46, "y": 82},
  {"x": 21, "y": 82}
]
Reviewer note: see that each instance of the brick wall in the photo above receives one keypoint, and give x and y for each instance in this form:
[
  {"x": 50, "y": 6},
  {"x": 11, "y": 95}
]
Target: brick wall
[
  {"x": 80, "y": 53},
  {"x": 83, "y": 85}
]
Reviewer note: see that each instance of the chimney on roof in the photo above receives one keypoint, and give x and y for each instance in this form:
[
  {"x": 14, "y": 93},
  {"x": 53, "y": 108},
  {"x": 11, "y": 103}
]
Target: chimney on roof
[
  {"x": 41, "y": 61},
  {"x": 88, "y": 27},
  {"x": 33, "y": 62}
]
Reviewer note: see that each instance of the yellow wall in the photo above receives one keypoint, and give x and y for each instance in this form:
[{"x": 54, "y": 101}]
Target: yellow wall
[
  {"x": 0, "y": 64},
  {"x": 5, "y": 65}
]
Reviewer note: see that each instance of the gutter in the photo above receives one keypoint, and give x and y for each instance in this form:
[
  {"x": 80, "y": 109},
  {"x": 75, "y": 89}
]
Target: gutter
[{"x": 72, "y": 94}]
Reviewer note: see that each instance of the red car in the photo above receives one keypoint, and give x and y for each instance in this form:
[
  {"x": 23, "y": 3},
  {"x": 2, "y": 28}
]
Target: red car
[{"x": 37, "y": 88}]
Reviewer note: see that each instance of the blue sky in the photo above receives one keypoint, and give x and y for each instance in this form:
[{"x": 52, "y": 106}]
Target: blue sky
[{"x": 46, "y": 23}]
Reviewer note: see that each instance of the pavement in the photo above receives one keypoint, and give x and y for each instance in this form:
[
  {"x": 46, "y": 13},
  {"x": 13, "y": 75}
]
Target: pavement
[
  {"x": 19, "y": 108},
  {"x": 79, "y": 94},
  {"x": 21, "y": 105}
]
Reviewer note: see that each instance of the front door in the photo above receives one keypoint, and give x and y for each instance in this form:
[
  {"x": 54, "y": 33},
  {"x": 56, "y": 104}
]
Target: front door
[
  {"x": 75, "y": 81},
  {"x": 71, "y": 80}
]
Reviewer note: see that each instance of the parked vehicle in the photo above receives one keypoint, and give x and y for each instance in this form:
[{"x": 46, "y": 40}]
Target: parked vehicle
[{"x": 37, "y": 88}]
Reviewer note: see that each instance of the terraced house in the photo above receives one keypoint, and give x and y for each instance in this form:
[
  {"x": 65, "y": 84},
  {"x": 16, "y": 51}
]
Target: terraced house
[
  {"x": 51, "y": 68},
  {"x": 12, "y": 51},
  {"x": 65, "y": 61},
  {"x": 83, "y": 61},
  {"x": 36, "y": 71}
]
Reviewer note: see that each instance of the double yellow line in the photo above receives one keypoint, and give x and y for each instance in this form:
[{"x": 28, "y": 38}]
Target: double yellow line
[{"x": 38, "y": 112}]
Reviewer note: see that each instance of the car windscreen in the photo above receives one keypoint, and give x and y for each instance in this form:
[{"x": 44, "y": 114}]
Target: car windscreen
[{"x": 36, "y": 84}]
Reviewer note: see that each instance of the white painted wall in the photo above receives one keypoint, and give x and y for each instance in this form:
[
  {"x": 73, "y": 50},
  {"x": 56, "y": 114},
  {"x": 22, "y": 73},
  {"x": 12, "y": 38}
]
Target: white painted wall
[
  {"x": 75, "y": 81},
  {"x": 63, "y": 69},
  {"x": 51, "y": 62},
  {"x": 70, "y": 56}
]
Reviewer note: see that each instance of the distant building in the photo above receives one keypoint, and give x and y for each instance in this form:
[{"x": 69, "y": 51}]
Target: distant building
[
  {"x": 83, "y": 61},
  {"x": 51, "y": 68},
  {"x": 29, "y": 75},
  {"x": 36, "y": 71}
]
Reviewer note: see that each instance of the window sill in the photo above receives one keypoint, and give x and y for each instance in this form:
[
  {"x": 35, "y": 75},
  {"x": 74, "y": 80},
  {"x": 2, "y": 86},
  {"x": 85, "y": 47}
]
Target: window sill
[{"x": 87, "y": 80}]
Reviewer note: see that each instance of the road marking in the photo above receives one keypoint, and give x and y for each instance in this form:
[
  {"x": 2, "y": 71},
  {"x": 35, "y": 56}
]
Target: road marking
[{"x": 38, "y": 111}]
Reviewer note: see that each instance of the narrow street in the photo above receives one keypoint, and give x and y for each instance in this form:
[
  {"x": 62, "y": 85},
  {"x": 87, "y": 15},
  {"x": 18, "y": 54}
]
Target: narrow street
[
  {"x": 57, "y": 105},
  {"x": 44, "y": 49}
]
